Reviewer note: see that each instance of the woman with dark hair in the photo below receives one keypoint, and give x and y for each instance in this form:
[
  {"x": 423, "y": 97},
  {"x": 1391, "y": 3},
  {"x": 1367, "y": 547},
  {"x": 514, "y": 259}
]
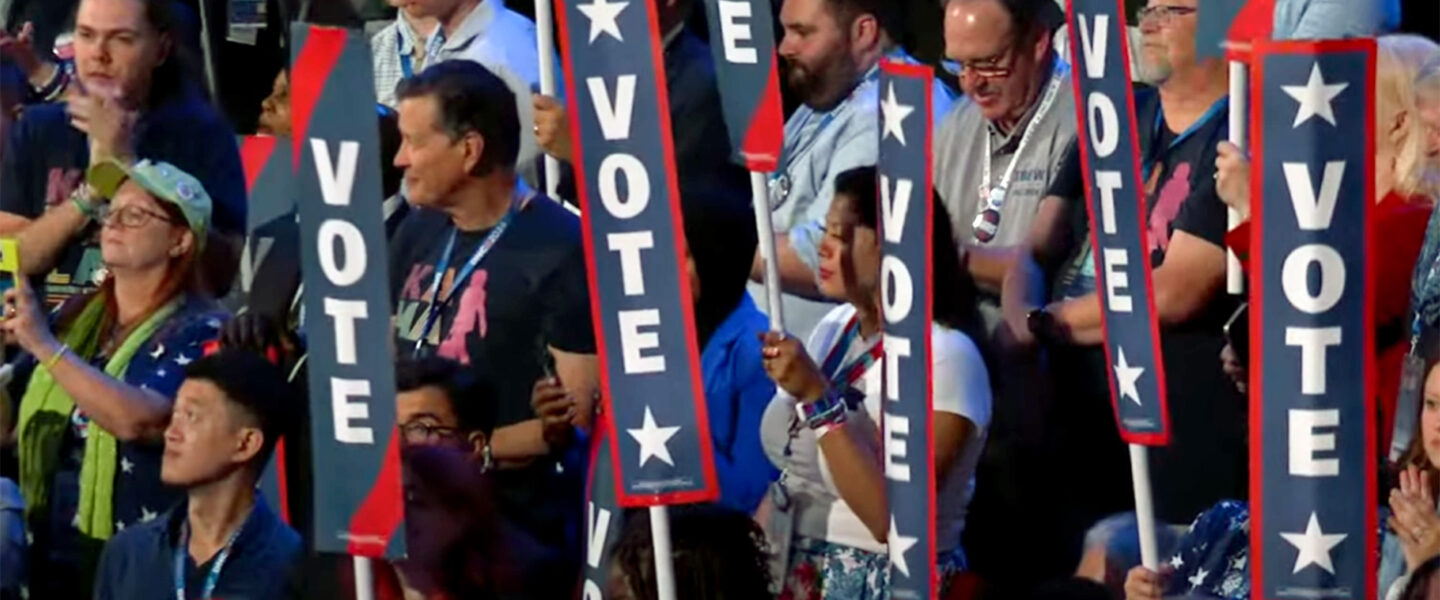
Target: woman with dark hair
[
  {"x": 822, "y": 428},
  {"x": 96, "y": 406},
  {"x": 719, "y": 555}
]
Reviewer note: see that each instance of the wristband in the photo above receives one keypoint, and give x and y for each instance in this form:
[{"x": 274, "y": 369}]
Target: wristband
[
  {"x": 828, "y": 410},
  {"x": 81, "y": 199}
]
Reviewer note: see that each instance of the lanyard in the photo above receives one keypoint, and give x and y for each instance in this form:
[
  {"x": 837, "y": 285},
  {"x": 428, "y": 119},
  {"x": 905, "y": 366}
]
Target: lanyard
[
  {"x": 1155, "y": 151},
  {"x": 847, "y": 375},
  {"x": 994, "y": 198},
  {"x": 213, "y": 577},
  {"x": 788, "y": 155},
  {"x": 406, "y": 67},
  {"x": 436, "y": 302}
]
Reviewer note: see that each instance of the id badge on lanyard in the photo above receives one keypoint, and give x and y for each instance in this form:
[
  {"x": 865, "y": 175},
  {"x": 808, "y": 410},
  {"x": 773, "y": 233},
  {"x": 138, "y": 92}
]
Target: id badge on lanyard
[{"x": 1407, "y": 398}]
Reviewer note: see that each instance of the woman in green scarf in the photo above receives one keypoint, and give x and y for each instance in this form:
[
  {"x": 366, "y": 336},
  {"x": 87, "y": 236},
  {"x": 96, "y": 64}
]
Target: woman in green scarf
[{"x": 96, "y": 407}]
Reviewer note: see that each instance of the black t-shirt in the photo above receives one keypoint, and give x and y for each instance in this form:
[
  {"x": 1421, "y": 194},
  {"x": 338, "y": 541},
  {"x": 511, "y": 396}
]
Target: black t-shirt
[
  {"x": 1207, "y": 414},
  {"x": 45, "y": 159},
  {"x": 529, "y": 292}
]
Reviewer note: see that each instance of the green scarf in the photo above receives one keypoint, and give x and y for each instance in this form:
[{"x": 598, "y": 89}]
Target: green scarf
[{"x": 45, "y": 413}]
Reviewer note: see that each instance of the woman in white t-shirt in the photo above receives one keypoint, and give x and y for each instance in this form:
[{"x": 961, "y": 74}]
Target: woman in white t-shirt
[{"x": 828, "y": 515}]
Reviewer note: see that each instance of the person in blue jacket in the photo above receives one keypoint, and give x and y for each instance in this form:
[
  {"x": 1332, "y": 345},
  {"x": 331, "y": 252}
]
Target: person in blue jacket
[{"x": 721, "y": 239}]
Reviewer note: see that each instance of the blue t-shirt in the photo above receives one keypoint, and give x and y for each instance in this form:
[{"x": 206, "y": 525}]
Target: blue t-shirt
[
  {"x": 737, "y": 390},
  {"x": 45, "y": 159}
]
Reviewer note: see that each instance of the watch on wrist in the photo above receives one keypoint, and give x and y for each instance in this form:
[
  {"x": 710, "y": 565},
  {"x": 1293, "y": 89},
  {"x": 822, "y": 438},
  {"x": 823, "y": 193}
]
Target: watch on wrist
[{"x": 84, "y": 200}]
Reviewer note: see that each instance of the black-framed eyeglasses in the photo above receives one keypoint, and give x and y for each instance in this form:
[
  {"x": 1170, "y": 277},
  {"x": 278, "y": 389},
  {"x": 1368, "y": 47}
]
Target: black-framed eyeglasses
[
  {"x": 420, "y": 432},
  {"x": 1163, "y": 14},
  {"x": 127, "y": 217}
]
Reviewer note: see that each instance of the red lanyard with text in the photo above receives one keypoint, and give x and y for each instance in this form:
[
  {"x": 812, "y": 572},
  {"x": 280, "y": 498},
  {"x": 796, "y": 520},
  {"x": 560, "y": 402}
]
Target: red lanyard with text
[{"x": 848, "y": 374}]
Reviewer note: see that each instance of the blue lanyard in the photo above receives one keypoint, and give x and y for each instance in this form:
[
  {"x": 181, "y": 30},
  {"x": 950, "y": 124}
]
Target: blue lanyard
[
  {"x": 406, "y": 67},
  {"x": 1155, "y": 151},
  {"x": 849, "y": 373},
  {"x": 436, "y": 302},
  {"x": 213, "y": 577}
]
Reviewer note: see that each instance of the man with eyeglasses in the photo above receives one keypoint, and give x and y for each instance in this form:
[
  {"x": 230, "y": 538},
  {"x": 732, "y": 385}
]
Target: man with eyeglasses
[
  {"x": 832, "y": 49},
  {"x": 1181, "y": 120}
]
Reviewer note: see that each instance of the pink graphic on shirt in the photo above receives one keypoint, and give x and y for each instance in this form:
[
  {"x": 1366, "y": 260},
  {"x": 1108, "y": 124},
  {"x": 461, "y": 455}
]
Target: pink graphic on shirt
[
  {"x": 469, "y": 318},
  {"x": 419, "y": 276},
  {"x": 60, "y": 184},
  {"x": 1167, "y": 207}
]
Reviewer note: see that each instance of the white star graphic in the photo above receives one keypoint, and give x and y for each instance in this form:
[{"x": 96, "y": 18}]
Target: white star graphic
[
  {"x": 899, "y": 545},
  {"x": 183, "y": 360},
  {"x": 1314, "y": 97},
  {"x": 75, "y": 522},
  {"x": 161, "y": 372},
  {"x": 652, "y": 439},
  {"x": 213, "y": 323},
  {"x": 1198, "y": 579},
  {"x": 119, "y": 525},
  {"x": 1127, "y": 376},
  {"x": 125, "y": 465},
  {"x": 894, "y": 113},
  {"x": 1314, "y": 545},
  {"x": 603, "y": 15},
  {"x": 1176, "y": 562},
  {"x": 146, "y": 516},
  {"x": 159, "y": 352}
]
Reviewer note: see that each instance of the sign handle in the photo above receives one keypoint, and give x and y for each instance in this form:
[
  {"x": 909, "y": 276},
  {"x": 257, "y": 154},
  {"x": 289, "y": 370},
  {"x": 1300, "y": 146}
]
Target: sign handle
[
  {"x": 759, "y": 190},
  {"x": 545, "y": 45},
  {"x": 1144, "y": 506},
  {"x": 1239, "y": 115},
  {"x": 664, "y": 559},
  {"x": 364, "y": 579}
]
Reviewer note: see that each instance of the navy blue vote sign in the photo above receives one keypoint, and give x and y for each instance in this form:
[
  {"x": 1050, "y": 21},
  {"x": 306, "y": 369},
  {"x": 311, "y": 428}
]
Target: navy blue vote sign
[
  {"x": 742, "y": 41},
  {"x": 355, "y": 443},
  {"x": 640, "y": 297},
  {"x": 1110, "y": 157},
  {"x": 1312, "y": 368},
  {"x": 603, "y": 518},
  {"x": 907, "y": 214}
]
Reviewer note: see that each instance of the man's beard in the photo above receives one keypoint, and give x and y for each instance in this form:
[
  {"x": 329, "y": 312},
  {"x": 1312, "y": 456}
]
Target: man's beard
[
  {"x": 1154, "y": 72},
  {"x": 823, "y": 86}
]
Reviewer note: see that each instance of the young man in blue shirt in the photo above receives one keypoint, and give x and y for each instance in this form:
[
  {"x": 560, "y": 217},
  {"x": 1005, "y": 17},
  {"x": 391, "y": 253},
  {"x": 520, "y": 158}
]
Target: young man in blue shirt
[{"x": 223, "y": 541}]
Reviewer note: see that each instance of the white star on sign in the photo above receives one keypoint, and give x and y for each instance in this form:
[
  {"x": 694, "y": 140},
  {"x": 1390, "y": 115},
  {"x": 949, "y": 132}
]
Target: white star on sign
[
  {"x": 1314, "y": 546},
  {"x": 899, "y": 545},
  {"x": 1198, "y": 579},
  {"x": 125, "y": 465},
  {"x": 652, "y": 439},
  {"x": 602, "y": 15},
  {"x": 1314, "y": 97},
  {"x": 894, "y": 113},
  {"x": 1128, "y": 376}
]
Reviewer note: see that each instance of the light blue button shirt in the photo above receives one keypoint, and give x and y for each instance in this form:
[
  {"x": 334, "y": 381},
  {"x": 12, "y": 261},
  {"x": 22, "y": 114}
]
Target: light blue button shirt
[{"x": 1332, "y": 19}]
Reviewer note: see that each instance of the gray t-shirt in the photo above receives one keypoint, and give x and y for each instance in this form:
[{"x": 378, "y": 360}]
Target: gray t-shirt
[{"x": 960, "y": 172}]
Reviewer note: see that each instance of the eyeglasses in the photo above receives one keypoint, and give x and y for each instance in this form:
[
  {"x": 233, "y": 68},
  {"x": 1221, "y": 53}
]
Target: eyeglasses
[
  {"x": 1163, "y": 14},
  {"x": 127, "y": 217},
  {"x": 420, "y": 432},
  {"x": 985, "y": 68}
]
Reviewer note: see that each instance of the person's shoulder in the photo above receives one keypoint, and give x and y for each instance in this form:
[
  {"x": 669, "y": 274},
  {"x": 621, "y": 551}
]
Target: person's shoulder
[
  {"x": 43, "y": 119},
  {"x": 952, "y": 346},
  {"x": 964, "y": 116},
  {"x": 547, "y": 215},
  {"x": 383, "y": 38}
]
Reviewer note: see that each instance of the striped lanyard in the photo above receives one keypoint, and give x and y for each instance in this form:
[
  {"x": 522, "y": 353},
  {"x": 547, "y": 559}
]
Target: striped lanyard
[{"x": 213, "y": 577}]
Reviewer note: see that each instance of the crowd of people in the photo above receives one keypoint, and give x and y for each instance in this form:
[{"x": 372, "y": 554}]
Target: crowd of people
[{"x": 140, "y": 408}]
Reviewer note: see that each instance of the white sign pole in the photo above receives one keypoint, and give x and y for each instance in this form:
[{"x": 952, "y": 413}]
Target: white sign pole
[
  {"x": 1239, "y": 118},
  {"x": 760, "y": 193},
  {"x": 545, "y": 45},
  {"x": 364, "y": 579},
  {"x": 1144, "y": 506},
  {"x": 664, "y": 558}
]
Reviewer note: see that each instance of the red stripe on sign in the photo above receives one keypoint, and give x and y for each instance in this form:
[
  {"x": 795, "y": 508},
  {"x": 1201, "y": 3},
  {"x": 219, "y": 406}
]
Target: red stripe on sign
[
  {"x": 308, "y": 75},
  {"x": 761, "y": 148},
  {"x": 281, "y": 484},
  {"x": 381, "y": 512},
  {"x": 255, "y": 151}
]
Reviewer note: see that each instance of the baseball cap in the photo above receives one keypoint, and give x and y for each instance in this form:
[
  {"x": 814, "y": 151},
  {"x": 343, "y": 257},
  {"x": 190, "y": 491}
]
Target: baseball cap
[{"x": 164, "y": 181}]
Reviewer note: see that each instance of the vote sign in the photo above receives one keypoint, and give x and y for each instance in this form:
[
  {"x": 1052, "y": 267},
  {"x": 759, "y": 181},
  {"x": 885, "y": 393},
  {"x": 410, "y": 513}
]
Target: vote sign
[
  {"x": 907, "y": 216},
  {"x": 603, "y": 518},
  {"x": 742, "y": 41},
  {"x": 355, "y": 442},
  {"x": 649, "y": 365},
  {"x": 1312, "y": 371},
  {"x": 1110, "y": 157}
]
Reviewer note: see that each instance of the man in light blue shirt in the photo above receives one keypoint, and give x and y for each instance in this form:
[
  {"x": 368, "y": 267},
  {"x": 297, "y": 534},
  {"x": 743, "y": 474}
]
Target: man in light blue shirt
[
  {"x": 1331, "y": 19},
  {"x": 834, "y": 48}
]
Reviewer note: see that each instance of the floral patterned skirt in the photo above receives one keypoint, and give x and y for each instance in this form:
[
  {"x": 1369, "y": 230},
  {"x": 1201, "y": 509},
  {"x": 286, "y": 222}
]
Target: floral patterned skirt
[{"x": 821, "y": 570}]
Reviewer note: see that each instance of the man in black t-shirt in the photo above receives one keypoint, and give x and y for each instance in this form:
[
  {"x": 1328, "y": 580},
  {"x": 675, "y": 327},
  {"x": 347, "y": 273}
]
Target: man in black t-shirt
[
  {"x": 491, "y": 275},
  {"x": 132, "y": 101},
  {"x": 1180, "y": 122}
]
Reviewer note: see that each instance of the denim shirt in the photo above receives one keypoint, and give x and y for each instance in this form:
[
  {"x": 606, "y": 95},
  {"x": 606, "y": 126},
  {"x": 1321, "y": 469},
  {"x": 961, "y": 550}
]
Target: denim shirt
[{"x": 1330, "y": 19}]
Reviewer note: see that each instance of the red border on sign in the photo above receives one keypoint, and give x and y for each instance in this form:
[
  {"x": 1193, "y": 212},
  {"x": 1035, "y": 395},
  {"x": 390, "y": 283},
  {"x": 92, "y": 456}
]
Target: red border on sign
[
  {"x": 1259, "y": 51},
  {"x": 1161, "y": 438},
  {"x": 711, "y": 491}
]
